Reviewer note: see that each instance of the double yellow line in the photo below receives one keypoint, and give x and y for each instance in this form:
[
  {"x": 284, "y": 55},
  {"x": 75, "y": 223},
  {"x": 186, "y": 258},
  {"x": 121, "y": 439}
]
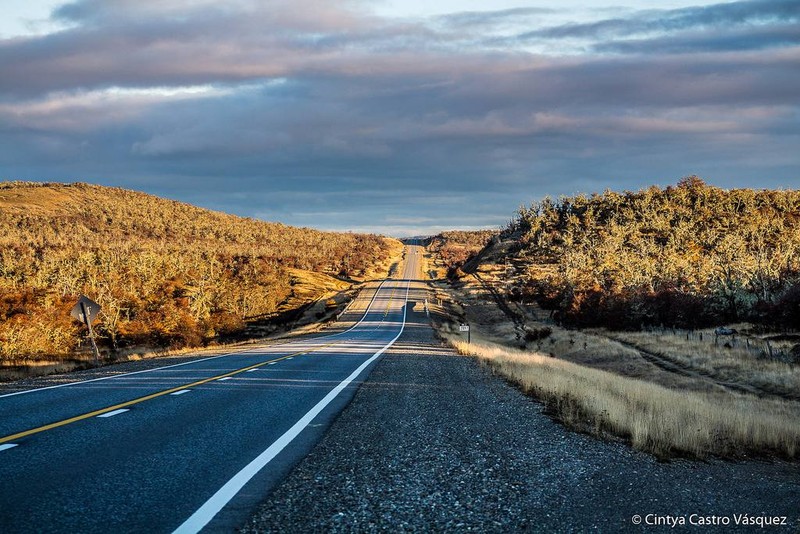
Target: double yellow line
[{"x": 389, "y": 303}]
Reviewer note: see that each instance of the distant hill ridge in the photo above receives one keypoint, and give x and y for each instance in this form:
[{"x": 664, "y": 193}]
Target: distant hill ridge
[{"x": 112, "y": 209}]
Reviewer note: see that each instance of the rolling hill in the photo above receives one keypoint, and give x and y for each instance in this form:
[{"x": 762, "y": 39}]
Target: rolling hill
[
  {"x": 686, "y": 256},
  {"x": 165, "y": 273}
]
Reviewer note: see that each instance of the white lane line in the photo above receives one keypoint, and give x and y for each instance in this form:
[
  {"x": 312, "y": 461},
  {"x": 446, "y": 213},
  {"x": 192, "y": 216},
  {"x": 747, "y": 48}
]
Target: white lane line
[
  {"x": 223, "y": 496},
  {"x": 289, "y": 358},
  {"x": 196, "y": 361},
  {"x": 181, "y": 392},
  {"x": 272, "y": 363},
  {"x": 115, "y": 412},
  {"x": 251, "y": 370},
  {"x": 224, "y": 378},
  {"x": 6, "y": 446}
]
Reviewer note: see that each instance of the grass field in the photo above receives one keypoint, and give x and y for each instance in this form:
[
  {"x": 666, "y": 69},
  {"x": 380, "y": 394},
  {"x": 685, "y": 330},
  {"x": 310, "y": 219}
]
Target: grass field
[
  {"x": 604, "y": 386},
  {"x": 656, "y": 419},
  {"x": 720, "y": 362}
]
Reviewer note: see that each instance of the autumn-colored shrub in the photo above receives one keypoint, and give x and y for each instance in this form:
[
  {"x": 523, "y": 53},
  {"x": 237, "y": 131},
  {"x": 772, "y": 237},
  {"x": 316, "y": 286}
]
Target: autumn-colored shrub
[
  {"x": 455, "y": 248},
  {"x": 689, "y": 256},
  {"x": 165, "y": 273}
]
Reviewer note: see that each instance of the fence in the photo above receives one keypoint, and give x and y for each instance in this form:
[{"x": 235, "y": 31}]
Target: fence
[{"x": 755, "y": 346}]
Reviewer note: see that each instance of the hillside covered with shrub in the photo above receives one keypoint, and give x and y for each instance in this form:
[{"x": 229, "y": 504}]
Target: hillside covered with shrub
[
  {"x": 688, "y": 256},
  {"x": 455, "y": 247},
  {"x": 164, "y": 272}
]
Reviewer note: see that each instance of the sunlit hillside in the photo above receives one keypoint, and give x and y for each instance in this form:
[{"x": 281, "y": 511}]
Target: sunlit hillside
[
  {"x": 688, "y": 256},
  {"x": 165, "y": 273},
  {"x": 453, "y": 248}
]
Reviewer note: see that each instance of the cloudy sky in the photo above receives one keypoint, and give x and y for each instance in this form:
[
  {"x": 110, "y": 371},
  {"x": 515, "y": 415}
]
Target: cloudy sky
[{"x": 398, "y": 116}]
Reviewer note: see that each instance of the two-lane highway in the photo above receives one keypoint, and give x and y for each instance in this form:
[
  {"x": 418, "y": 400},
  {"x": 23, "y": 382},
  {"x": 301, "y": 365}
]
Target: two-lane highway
[{"x": 183, "y": 447}]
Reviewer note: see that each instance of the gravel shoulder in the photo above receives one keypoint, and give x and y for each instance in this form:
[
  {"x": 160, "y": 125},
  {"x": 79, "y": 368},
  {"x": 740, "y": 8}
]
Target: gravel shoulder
[{"x": 433, "y": 442}]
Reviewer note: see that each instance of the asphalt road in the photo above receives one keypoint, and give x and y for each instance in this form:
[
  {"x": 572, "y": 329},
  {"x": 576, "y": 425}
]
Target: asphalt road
[
  {"x": 184, "y": 447},
  {"x": 433, "y": 442}
]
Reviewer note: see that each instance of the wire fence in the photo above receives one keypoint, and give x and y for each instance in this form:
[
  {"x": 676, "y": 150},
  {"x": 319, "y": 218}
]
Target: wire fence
[{"x": 756, "y": 346}]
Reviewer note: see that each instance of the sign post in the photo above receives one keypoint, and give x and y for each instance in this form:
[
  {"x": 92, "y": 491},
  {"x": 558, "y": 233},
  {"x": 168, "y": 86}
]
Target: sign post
[
  {"x": 463, "y": 327},
  {"x": 86, "y": 311}
]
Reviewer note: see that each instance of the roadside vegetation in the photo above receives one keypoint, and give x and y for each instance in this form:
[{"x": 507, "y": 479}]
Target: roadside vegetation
[
  {"x": 659, "y": 420},
  {"x": 454, "y": 248},
  {"x": 166, "y": 274},
  {"x": 688, "y": 256},
  {"x": 719, "y": 360},
  {"x": 610, "y": 310}
]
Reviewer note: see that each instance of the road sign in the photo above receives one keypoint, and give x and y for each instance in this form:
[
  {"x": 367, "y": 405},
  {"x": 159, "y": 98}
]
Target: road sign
[{"x": 85, "y": 310}]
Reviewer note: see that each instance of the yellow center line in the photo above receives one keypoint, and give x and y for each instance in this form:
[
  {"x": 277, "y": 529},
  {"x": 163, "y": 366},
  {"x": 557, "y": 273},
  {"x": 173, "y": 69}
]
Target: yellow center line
[
  {"x": 388, "y": 304},
  {"x": 125, "y": 404}
]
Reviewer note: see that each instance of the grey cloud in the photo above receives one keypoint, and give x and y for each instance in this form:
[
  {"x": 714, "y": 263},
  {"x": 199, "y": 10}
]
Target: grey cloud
[
  {"x": 737, "y": 39},
  {"x": 145, "y": 44},
  {"x": 216, "y": 52},
  {"x": 300, "y": 15},
  {"x": 254, "y": 44},
  {"x": 472, "y": 19},
  {"x": 345, "y": 121},
  {"x": 724, "y": 14}
]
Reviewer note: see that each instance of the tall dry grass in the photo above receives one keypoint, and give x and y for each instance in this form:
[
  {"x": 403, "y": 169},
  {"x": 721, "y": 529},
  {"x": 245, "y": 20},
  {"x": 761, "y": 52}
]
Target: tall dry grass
[
  {"x": 730, "y": 364},
  {"x": 655, "y": 419}
]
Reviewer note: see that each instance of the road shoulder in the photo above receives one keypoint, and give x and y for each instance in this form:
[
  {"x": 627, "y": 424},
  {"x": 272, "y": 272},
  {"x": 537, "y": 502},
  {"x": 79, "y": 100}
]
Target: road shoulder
[{"x": 432, "y": 441}]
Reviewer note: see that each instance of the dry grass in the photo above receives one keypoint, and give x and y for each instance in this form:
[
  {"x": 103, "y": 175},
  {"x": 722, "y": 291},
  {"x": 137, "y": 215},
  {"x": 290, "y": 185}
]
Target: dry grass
[
  {"x": 379, "y": 270},
  {"x": 708, "y": 367},
  {"x": 584, "y": 348},
  {"x": 308, "y": 286},
  {"x": 724, "y": 364},
  {"x": 605, "y": 387},
  {"x": 655, "y": 419},
  {"x": 41, "y": 200}
]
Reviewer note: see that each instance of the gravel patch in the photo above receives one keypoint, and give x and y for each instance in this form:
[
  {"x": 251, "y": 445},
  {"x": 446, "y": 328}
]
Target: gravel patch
[{"x": 433, "y": 442}]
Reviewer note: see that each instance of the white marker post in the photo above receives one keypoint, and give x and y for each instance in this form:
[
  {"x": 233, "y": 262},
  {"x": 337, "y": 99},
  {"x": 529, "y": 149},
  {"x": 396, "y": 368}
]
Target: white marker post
[{"x": 465, "y": 328}]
